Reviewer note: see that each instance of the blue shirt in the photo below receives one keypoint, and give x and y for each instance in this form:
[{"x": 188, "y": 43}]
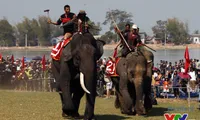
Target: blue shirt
[{"x": 176, "y": 80}]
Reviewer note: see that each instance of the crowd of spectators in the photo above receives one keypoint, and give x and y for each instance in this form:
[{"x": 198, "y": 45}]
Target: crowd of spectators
[
  {"x": 172, "y": 75},
  {"x": 29, "y": 75},
  {"x": 166, "y": 78}
]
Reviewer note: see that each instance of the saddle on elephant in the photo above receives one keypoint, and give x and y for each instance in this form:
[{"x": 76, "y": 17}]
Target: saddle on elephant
[
  {"x": 57, "y": 49},
  {"x": 111, "y": 67}
]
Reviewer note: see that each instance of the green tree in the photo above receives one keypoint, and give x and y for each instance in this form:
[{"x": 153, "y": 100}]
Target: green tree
[
  {"x": 178, "y": 30},
  {"x": 160, "y": 30},
  {"x": 46, "y": 31},
  {"x": 20, "y": 34},
  {"x": 196, "y": 32},
  {"x": 108, "y": 37},
  {"x": 29, "y": 27},
  {"x": 56, "y": 31},
  {"x": 95, "y": 28},
  {"x": 6, "y": 33},
  {"x": 36, "y": 32},
  {"x": 120, "y": 17}
]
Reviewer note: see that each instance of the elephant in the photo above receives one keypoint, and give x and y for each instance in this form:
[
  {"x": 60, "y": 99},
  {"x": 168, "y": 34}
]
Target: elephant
[
  {"x": 75, "y": 74},
  {"x": 134, "y": 82}
]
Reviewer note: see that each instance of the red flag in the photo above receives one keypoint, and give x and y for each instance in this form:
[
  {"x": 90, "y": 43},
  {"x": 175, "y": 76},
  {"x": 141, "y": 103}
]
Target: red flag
[
  {"x": 23, "y": 65},
  {"x": 43, "y": 63},
  {"x": 12, "y": 59},
  {"x": 187, "y": 60},
  {"x": 115, "y": 53},
  {"x": 1, "y": 57}
]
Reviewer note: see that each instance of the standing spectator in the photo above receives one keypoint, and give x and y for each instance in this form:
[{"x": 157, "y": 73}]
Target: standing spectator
[
  {"x": 182, "y": 69},
  {"x": 165, "y": 87},
  {"x": 110, "y": 71},
  {"x": 153, "y": 83},
  {"x": 176, "y": 81},
  {"x": 198, "y": 70},
  {"x": 157, "y": 78},
  {"x": 108, "y": 88},
  {"x": 192, "y": 79},
  {"x": 104, "y": 61}
]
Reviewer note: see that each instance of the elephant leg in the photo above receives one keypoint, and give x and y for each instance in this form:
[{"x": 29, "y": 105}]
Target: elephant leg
[
  {"x": 55, "y": 66},
  {"x": 89, "y": 110},
  {"x": 131, "y": 90},
  {"x": 115, "y": 81},
  {"x": 147, "y": 83},
  {"x": 56, "y": 72},
  {"x": 64, "y": 83},
  {"x": 139, "y": 107},
  {"x": 77, "y": 95},
  {"x": 147, "y": 88},
  {"x": 126, "y": 99}
]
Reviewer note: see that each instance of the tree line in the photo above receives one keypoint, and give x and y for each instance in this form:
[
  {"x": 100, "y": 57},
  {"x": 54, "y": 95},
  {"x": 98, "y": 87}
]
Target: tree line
[
  {"x": 171, "y": 30},
  {"x": 39, "y": 32}
]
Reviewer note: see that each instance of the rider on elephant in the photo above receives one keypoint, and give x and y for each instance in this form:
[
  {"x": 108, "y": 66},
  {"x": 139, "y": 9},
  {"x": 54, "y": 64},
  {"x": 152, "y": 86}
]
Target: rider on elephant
[
  {"x": 131, "y": 38},
  {"x": 67, "y": 17},
  {"x": 134, "y": 43},
  {"x": 83, "y": 22}
]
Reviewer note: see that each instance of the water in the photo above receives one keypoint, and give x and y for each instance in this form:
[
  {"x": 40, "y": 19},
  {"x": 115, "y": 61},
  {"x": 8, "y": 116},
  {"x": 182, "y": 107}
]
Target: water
[{"x": 168, "y": 55}]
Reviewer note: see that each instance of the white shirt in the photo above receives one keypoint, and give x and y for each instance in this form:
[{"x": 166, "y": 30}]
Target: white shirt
[
  {"x": 155, "y": 75},
  {"x": 193, "y": 76},
  {"x": 18, "y": 68},
  {"x": 182, "y": 70},
  {"x": 198, "y": 65}
]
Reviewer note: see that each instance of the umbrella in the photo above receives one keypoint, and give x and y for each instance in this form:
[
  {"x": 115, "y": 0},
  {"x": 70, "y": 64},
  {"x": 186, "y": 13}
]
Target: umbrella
[
  {"x": 37, "y": 58},
  {"x": 184, "y": 75},
  {"x": 155, "y": 69}
]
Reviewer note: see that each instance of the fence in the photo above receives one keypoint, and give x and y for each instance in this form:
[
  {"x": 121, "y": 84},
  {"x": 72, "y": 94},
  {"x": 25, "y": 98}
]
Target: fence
[
  {"x": 184, "y": 93},
  {"x": 39, "y": 84}
]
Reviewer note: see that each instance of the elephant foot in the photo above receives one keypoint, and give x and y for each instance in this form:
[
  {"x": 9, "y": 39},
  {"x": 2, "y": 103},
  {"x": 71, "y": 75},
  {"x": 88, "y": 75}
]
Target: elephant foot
[
  {"x": 117, "y": 104},
  {"x": 141, "y": 113},
  {"x": 144, "y": 115},
  {"x": 128, "y": 113},
  {"x": 71, "y": 116},
  {"x": 93, "y": 118},
  {"x": 148, "y": 109}
]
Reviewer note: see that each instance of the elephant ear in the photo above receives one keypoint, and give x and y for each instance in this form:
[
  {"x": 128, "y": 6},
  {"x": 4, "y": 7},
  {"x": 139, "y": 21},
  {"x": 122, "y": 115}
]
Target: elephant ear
[
  {"x": 66, "y": 53},
  {"x": 72, "y": 48},
  {"x": 99, "y": 48},
  {"x": 101, "y": 42}
]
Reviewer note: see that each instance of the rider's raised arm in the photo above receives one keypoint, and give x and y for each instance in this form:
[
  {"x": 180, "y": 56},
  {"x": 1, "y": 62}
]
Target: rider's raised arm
[{"x": 59, "y": 21}]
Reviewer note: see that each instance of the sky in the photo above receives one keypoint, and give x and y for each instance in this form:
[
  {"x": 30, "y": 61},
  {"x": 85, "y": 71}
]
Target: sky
[{"x": 145, "y": 12}]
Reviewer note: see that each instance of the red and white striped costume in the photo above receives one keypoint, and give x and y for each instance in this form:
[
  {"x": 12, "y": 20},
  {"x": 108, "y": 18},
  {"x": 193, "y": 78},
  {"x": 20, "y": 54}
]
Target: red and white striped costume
[{"x": 57, "y": 49}]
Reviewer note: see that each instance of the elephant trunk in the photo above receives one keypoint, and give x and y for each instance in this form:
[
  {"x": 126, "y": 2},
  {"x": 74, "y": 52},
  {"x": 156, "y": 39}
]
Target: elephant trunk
[{"x": 82, "y": 83}]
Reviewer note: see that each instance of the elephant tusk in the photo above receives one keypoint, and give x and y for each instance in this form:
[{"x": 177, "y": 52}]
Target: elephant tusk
[
  {"x": 149, "y": 61},
  {"x": 82, "y": 83}
]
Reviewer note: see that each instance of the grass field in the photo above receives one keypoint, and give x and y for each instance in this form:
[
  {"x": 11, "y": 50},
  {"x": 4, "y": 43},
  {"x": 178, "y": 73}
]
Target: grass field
[{"x": 47, "y": 106}]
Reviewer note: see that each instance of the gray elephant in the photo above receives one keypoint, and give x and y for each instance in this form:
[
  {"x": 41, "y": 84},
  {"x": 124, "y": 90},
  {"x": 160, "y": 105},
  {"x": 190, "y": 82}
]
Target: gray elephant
[
  {"x": 134, "y": 82},
  {"x": 75, "y": 74}
]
